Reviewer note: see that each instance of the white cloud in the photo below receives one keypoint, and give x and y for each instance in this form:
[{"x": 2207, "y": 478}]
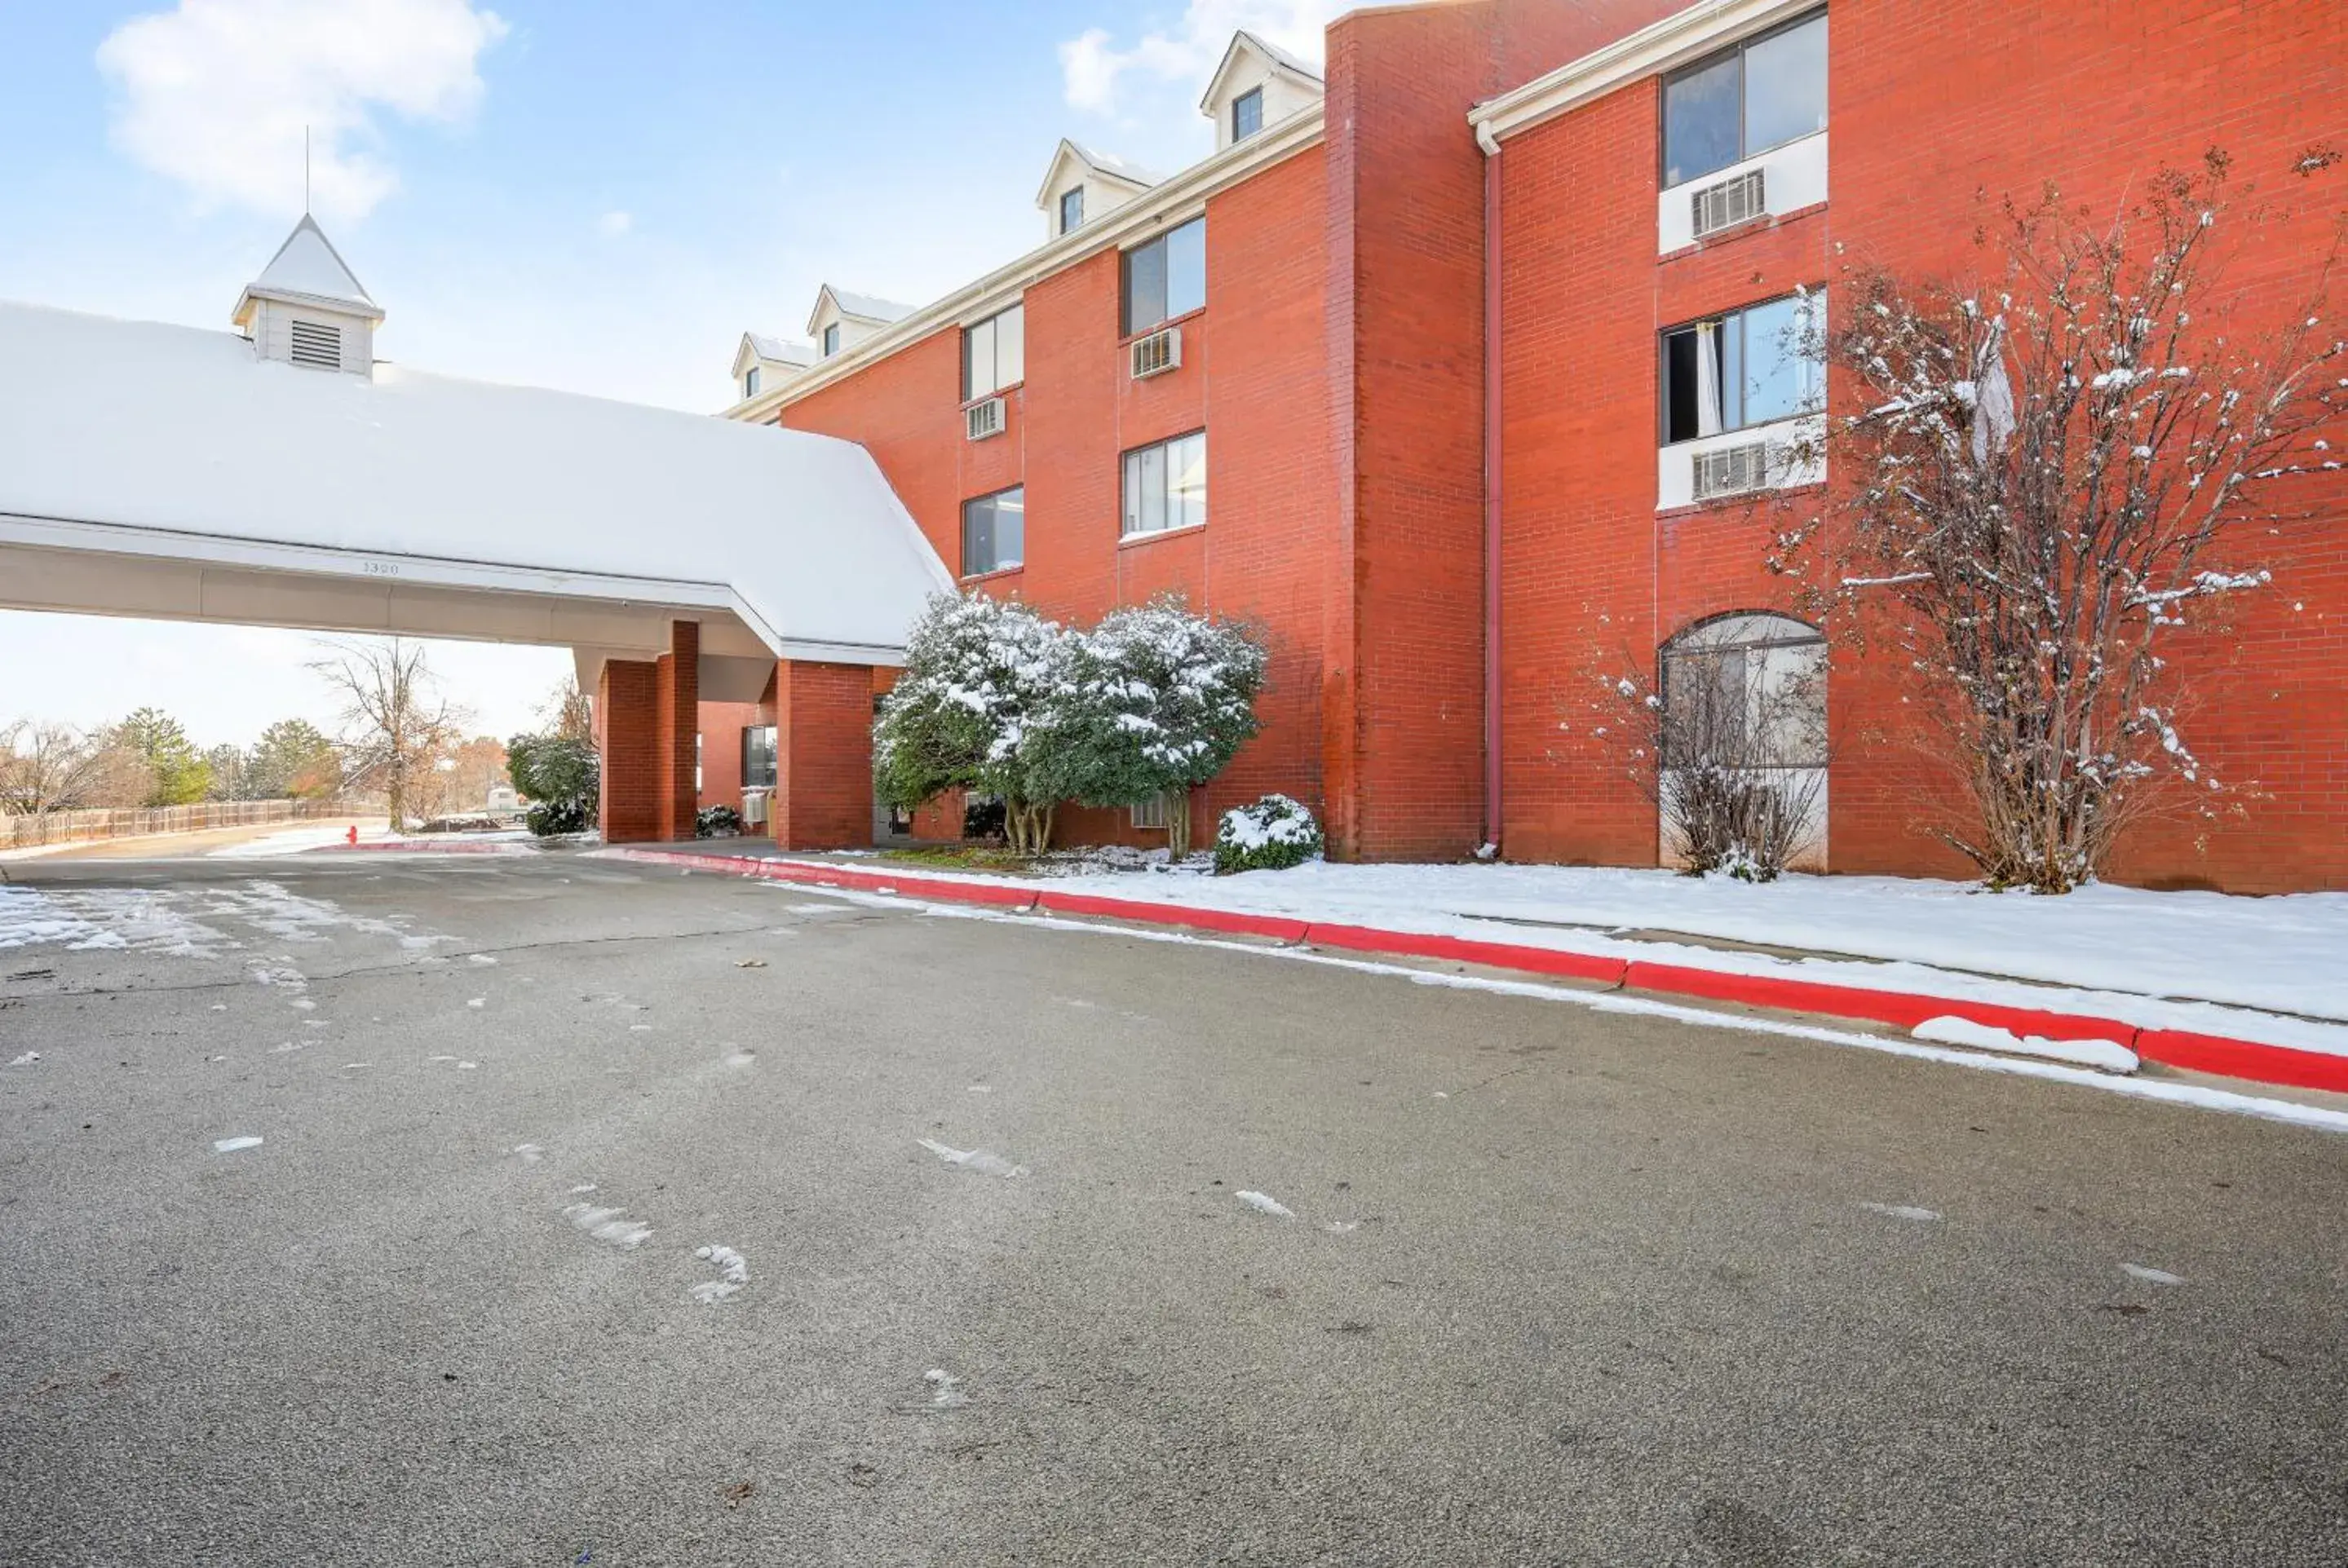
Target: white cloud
[
  {"x": 612, "y": 225},
  {"x": 215, "y": 93},
  {"x": 1093, "y": 65}
]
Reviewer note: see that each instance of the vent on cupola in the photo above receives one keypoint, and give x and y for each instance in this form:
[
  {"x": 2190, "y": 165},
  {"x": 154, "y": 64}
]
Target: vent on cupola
[{"x": 308, "y": 309}]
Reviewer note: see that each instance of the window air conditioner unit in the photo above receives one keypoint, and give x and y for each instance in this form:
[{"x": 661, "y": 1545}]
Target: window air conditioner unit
[
  {"x": 1729, "y": 203},
  {"x": 1158, "y": 353},
  {"x": 1732, "y": 470},
  {"x": 753, "y": 809},
  {"x": 980, "y": 420}
]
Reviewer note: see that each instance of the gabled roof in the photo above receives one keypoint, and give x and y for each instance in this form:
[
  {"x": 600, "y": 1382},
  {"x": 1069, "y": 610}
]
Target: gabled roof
[
  {"x": 308, "y": 270},
  {"x": 1281, "y": 62},
  {"x": 119, "y": 425},
  {"x": 1108, "y": 166},
  {"x": 759, "y": 348},
  {"x": 863, "y": 307}
]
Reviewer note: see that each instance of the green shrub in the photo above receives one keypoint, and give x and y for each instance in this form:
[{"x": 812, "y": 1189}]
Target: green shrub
[
  {"x": 1272, "y": 834},
  {"x": 560, "y": 777}
]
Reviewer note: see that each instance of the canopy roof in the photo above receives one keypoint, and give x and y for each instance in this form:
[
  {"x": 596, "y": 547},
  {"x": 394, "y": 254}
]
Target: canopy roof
[{"x": 134, "y": 433}]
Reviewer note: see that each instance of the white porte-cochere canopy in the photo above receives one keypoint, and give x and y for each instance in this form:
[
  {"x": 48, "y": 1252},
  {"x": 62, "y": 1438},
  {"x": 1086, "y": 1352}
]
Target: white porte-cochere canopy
[{"x": 150, "y": 469}]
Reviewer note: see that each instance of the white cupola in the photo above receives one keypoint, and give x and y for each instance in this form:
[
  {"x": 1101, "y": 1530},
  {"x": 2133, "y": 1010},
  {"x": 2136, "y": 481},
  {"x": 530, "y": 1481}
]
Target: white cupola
[{"x": 308, "y": 309}]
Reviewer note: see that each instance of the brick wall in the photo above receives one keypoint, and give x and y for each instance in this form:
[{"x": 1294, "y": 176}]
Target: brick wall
[
  {"x": 627, "y": 730},
  {"x": 676, "y": 683},
  {"x": 1935, "y": 116},
  {"x": 1256, "y": 385}
]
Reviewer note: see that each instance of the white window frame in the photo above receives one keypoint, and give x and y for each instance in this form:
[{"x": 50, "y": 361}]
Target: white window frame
[{"x": 1005, "y": 370}]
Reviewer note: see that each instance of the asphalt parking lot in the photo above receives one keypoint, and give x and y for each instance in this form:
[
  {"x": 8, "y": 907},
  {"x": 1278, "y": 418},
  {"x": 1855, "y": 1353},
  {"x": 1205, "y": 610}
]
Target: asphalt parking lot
[{"x": 601, "y": 1214}]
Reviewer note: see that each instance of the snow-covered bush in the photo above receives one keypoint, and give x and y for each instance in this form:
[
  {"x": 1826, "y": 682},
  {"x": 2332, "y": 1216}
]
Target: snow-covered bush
[
  {"x": 716, "y": 821},
  {"x": 974, "y": 710},
  {"x": 997, "y": 701},
  {"x": 560, "y": 776},
  {"x": 1160, "y": 702},
  {"x": 1272, "y": 834}
]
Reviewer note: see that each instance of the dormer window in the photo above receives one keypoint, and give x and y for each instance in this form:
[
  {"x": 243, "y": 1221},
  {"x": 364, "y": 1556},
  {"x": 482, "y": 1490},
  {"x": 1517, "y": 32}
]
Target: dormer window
[
  {"x": 831, "y": 340},
  {"x": 1072, "y": 210},
  {"x": 1247, "y": 113},
  {"x": 750, "y": 382}
]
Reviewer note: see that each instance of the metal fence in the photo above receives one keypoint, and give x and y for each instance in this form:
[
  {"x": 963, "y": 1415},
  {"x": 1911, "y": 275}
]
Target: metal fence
[{"x": 86, "y": 826}]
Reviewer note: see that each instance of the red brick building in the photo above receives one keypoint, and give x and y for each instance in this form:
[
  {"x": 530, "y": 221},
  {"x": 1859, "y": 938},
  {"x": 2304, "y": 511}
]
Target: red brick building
[{"x": 1391, "y": 376}]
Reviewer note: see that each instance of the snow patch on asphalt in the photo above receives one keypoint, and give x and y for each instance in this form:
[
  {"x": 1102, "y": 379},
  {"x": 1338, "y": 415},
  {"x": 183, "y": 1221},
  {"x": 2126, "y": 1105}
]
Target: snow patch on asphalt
[
  {"x": 734, "y": 1272},
  {"x": 2106, "y": 1055},
  {"x": 230, "y": 1146},
  {"x": 945, "y": 1389},
  {"x": 527, "y": 1154},
  {"x": 607, "y": 1226},
  {"x": 27, "y": 1060},
  {"x": 738, "y": 1057},
  {"x": 984, "y": 1162},
  {"x": 1265, "y": 1203},
  {"x": 1902, "y": 1211},
  {"x": 2151, "y": 1275}
]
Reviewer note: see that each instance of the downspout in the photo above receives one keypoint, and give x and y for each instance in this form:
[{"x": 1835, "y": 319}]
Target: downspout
[{"x": 1491, "y": 145}]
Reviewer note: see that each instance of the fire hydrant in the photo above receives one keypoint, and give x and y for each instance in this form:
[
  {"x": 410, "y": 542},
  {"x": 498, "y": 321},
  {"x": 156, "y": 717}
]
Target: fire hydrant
[{"x": 353, "y": 840}]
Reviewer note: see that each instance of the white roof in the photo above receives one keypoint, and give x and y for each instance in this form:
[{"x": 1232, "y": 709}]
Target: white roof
[
  {"x": 307, "y": 267},
  {"x": 141, "y": 426},
  {"x": 868, "y": 306},
  {"x": 1107, "y": 164},
  {"x": 781, "y": 351}
]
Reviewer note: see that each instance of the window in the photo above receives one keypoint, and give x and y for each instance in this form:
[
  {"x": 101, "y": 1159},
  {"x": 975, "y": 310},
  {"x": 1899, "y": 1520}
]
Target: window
[
  {"x": 995, "y": 531},
  {"x": 1247, "y": 113},
  {"x": 1165, "y": 486},
  {"x": 1745, "y": 692},
  {"x": 994, "y": 353},
  {"x": 1072, "y": 210},
  {"x": 1165, "y": 278},
  {"x": 1148, "y": 813},
  {"x": 759, "y": 756},
  {"x": 1764, "y": 93},
  {"x": 831, "y": 339},
  {"x": 1749, "y": 367},
  {"x": 750, "y": 382}
]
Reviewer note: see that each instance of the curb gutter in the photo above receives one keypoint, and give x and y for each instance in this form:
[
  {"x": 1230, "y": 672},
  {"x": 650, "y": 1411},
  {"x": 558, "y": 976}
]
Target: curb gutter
[{"x": 2256, "y": 1061}]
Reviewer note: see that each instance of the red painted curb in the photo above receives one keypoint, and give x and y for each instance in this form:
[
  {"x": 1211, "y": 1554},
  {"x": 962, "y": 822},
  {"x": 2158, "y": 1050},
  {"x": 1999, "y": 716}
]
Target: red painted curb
[
  {"x": 2244, "y": 1058},
  {"x": 1285, "y": 929},
  {"x": 1462, "y": 949},
  {"x": 1903, "y": 1008},
  {"x": 2254, "y": 1060}
]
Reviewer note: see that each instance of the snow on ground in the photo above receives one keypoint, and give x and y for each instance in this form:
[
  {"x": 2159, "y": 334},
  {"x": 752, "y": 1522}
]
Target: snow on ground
[
  {"x": 230, "y": 1146},
  {"x": 1265, "y": 1203},
  {"x": 983, "y": 1162},
  {"x": 733, "y": 1271},
  {"x": 1902, "y": 1211},
  {"x": 2151, "y": 1275},
  {"x": 608, "y": 1227},
  {"x": 2177, "y": 960},
  {"x": 948, "y": 1394},
  {"x": 2108, "y": 1055}
]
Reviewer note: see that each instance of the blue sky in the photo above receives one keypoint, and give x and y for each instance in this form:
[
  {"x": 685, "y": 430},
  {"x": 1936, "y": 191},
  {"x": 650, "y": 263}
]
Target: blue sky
[{"x": 593, "y": 194}]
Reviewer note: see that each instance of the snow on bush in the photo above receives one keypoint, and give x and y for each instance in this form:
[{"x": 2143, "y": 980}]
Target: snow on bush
[
  {"x": 1272, "y": 834},
  {"x": 560, "y": 777},
  {"x": 997, "y": 701}
]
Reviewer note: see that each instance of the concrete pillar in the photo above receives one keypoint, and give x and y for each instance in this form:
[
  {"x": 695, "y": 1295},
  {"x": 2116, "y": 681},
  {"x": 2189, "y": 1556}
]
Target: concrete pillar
[
  {"x": 627, "y": 709},
  {"x": 677, "y": 691},
  {"x": 823, "y": 755}
]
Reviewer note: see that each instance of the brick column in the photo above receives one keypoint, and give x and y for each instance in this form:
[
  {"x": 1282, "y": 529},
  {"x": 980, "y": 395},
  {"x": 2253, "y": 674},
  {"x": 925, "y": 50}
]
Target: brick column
[
  {"x": 823, "y": 756},
  {"x": 627, "y": 714},
  {"x": 676, "y": 682}
]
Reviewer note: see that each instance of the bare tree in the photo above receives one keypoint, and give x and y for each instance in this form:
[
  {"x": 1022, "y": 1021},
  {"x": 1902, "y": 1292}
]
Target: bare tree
[
  {"x": 567, "y": 713},
  {"x": 2053, "y": 471},
  {"x": 395, "y": 724},
  {"x": 48, "y": 768},
  {"x": 1730, "y": 743}
]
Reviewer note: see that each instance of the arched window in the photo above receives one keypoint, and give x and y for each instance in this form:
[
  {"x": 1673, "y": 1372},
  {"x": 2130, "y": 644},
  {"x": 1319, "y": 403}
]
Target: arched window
[
  {"x": 1746, "y": 690},
  {"x": 1744, "y": 744}
]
